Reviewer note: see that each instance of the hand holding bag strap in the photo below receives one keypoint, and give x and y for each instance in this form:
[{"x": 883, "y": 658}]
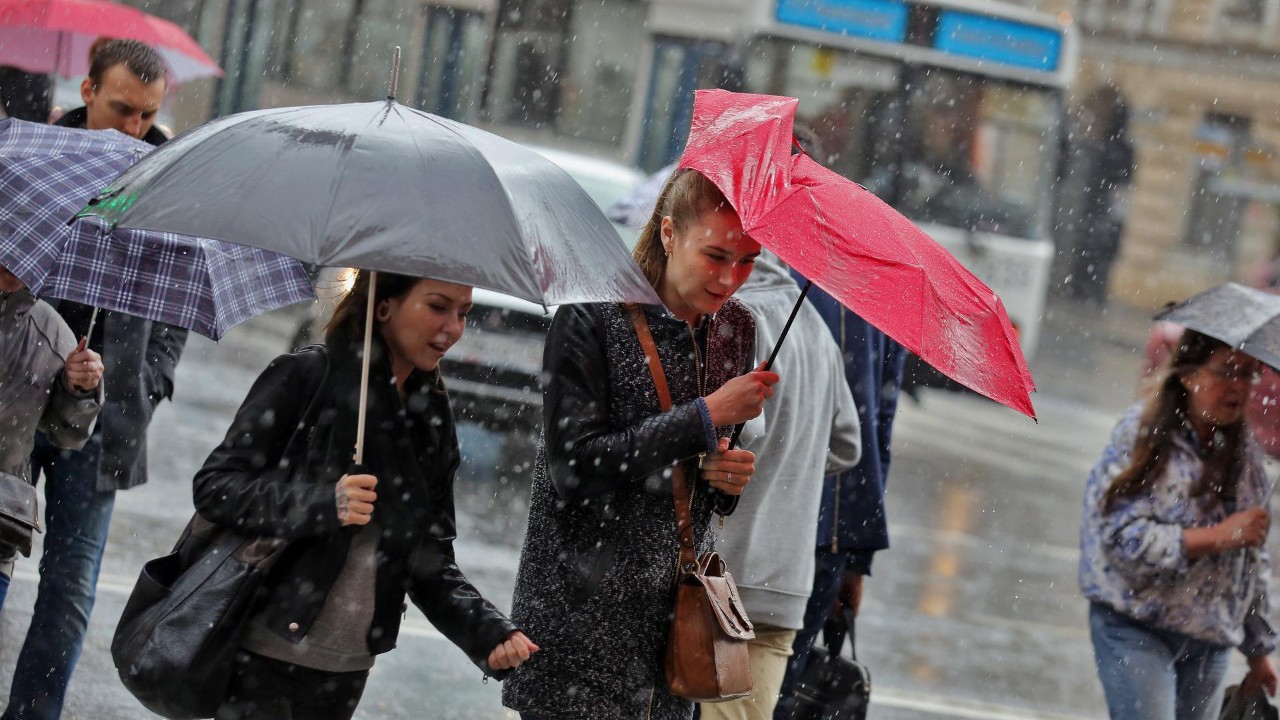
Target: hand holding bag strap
[{"x": 679, "y": 485}]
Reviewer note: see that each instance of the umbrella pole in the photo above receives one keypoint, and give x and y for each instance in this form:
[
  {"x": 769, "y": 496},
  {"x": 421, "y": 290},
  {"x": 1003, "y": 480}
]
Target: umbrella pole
[
  {"x": 364, "y": 368},
  {"x": 394, "y": 82},
  {"x": 737, "y": 431},
  {"x": 93, "y": 320}
]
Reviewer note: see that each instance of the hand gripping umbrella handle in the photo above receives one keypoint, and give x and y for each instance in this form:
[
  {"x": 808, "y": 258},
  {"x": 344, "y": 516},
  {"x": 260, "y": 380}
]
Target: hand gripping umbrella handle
[{"x": 737, "y": 431}]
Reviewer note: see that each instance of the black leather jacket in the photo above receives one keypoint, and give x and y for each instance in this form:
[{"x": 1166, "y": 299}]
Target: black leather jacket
[{"x": 274, "y": 474}]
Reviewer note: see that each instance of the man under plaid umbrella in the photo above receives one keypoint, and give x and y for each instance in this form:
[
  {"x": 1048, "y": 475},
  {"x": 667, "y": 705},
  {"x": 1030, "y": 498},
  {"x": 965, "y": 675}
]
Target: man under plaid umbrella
[{"x": 125, "y": 87}]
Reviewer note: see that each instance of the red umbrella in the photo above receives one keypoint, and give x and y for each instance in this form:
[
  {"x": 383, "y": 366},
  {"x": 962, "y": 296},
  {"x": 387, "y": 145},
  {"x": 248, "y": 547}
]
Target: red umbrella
[
  {"x": 854, "y": 246},
  {"x": 53, "y": 36}
]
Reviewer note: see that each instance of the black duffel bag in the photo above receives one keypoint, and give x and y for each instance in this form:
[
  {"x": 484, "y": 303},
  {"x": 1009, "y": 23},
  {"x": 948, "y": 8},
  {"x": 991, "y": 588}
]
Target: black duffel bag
[
  {"x": 176, "y": 642},
  {"x": 833, "y": 687}
]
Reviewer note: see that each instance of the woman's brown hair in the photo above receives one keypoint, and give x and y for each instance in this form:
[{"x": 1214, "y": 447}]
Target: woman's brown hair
[
  {"x": 346, "y": 327},
  {"x": 1163, "y": 418},
  {"x": 686, "y": 196}
]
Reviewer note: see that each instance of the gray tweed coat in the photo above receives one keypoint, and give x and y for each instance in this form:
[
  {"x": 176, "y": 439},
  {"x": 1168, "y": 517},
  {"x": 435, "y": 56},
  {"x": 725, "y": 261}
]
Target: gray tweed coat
[{"x": 597, "y": 572}]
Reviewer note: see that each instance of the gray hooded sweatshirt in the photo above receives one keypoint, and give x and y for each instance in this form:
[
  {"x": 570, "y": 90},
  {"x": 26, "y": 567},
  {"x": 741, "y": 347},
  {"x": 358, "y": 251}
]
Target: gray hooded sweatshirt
[
  {"x": 34, "y": 343},
  {"x": 810, "y": 428}
]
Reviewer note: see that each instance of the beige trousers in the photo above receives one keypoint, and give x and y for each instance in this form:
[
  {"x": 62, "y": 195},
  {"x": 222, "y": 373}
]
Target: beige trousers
[{"x": 769, "y": 653}]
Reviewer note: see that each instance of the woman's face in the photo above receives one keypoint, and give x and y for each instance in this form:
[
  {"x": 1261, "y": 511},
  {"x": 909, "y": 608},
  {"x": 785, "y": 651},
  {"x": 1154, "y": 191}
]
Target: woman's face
[
  {"x": 709, "y": 260},
  {"x": 421, "y": 325},
  {"x": 1218, "y": 390}
]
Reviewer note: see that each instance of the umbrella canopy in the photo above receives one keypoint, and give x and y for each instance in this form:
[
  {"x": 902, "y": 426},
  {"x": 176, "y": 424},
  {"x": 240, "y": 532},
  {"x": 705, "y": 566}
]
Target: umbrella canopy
[
  {"x": 854, "y": 246},
  {"x": 204, "y": 285},
  {"x": 1243, "y": 317},
  {"x": 48, "y": 172},
  {"x": 381, "y": 186},
  {"x": 53, "y": 36}
]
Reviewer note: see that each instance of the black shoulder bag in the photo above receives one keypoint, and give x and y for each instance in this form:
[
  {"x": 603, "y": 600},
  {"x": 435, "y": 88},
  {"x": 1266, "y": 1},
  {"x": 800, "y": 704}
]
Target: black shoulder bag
[{"x": 176, "y": 641}]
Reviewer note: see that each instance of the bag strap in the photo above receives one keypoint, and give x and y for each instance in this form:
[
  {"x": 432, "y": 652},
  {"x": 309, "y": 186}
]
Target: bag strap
[
  {"x": 836, "y": 630},
  {"x": 679, "y": 484}
]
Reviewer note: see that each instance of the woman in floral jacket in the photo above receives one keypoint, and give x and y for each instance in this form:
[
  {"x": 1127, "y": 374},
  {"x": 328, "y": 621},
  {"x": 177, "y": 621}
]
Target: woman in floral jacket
[{"x": 1172, "y": 543}]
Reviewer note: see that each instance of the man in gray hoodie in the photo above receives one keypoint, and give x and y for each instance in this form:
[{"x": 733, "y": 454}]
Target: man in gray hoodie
[
  {"x": 47, "y": 382},
  {"x": 810, "y": 429}
]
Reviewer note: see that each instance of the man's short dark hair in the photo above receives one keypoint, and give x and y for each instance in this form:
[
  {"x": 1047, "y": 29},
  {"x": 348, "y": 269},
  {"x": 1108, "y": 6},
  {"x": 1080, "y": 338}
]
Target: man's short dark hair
[{"x": 139, "y": 58}]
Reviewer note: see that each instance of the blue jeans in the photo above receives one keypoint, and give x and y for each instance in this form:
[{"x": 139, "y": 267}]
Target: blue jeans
[
  {"x": 1150, "y": 674},
  {"x": 829, "y": 568},
  {"x": 77, "y": 518}
]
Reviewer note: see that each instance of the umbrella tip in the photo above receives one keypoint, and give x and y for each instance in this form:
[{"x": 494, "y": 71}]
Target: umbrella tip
[{"x": 395, "y": 74}]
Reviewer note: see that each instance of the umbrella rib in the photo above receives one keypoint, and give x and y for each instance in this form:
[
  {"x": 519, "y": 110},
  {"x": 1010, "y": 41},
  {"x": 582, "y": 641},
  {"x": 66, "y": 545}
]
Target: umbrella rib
[{"x": 506, "y": 197}]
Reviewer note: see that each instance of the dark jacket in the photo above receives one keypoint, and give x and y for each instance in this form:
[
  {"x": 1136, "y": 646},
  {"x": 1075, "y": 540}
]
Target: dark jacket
[
  {"x": 852, "y": 518},
  {"x": 259, "y": 483},
  {"x": 140, "y": 359},
  {"x": 597, "y": 571},
  {"x": 79, "y": 118}
]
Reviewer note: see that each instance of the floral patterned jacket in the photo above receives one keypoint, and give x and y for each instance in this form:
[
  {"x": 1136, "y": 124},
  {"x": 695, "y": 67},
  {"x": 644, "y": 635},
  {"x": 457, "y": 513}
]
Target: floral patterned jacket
[{"x": 1133, "y": 558}]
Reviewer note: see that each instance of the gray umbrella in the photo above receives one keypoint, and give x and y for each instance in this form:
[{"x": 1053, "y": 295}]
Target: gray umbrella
[
  {"x": 382, "y": 187},
  {"x": 1242, "y": 317}
]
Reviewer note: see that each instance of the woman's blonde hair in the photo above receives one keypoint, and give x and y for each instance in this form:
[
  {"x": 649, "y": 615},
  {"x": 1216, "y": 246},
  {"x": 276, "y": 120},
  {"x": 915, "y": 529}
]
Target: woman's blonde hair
[
  {"x": 687, "y": 194},
  {"x": 1163, "y": 418}
]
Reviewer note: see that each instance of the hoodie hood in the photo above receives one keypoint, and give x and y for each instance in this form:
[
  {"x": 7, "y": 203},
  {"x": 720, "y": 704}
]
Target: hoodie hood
[{"x": 769, "y": 274}]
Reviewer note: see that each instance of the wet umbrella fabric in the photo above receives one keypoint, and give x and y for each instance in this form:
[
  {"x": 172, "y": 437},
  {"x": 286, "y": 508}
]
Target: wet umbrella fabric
[
  {"x": 381, "y": 186},
  {"x": 203, "y": 285},
  {"x": 1243, "y": 317},
  {"x": 854, "y": 246},
  {"x": 54, "y": 36},
  {"x": 49, "y": 172}
]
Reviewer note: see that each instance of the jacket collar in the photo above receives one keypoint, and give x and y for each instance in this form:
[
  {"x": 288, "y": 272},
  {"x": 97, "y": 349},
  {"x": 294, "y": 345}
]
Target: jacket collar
[
  {"x": 79, "y": 118},
  {"x": 17, "y": 304}
]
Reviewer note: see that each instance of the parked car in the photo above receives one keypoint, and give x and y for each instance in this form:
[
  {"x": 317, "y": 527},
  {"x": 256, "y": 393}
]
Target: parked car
[{"x": 494, "y": 371}]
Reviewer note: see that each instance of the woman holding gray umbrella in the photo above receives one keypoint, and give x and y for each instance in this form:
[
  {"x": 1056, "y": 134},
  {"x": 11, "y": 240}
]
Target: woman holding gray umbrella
[
  {"x": 360, "y": 538},
  {"x": 1172, "y": 542}
]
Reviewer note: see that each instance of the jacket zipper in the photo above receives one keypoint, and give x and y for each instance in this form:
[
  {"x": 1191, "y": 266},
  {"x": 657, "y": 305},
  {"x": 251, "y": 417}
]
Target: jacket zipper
[{"x": 835, "y": 510}]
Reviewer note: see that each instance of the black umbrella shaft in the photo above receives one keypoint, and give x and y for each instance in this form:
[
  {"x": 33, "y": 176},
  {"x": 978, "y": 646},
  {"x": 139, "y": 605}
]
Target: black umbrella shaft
[{"x": 737, "y": 431}]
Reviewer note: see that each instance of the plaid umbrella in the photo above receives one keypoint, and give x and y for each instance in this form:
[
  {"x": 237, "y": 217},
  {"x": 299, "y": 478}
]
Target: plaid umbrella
[
  {"x": 47, "y": 173},
  {"x": 204, "y": 285}
]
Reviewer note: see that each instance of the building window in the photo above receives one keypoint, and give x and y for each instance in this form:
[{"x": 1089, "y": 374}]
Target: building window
[
  {"x": 452, "y": 71},
  {"x": 566, "y": 68},
  {"x": 1215, "y": 212},
  {"x": 374, "y": 30},
  {"x": 1251, "y": 21},
  {"x": 1242, "y": 12},
  {"x": 1130, "y": 17}
]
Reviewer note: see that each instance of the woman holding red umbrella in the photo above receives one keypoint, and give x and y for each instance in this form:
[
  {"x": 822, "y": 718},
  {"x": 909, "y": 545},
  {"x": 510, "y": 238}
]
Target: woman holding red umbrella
[{"x": 597, "y": 572}]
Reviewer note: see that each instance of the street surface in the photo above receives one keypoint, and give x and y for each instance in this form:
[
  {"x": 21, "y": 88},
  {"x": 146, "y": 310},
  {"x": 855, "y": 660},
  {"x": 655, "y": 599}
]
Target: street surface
[{"x": 973, "y": 613}]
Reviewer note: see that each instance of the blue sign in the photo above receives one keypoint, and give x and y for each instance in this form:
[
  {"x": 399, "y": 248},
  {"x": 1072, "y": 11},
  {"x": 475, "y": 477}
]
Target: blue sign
[
  {"x": 873, "y": 19},
  {"x": 1006, "y": 42}
]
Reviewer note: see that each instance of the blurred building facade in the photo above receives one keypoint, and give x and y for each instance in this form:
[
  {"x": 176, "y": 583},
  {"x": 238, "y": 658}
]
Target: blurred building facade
[{"x": 1201, "y": 79}]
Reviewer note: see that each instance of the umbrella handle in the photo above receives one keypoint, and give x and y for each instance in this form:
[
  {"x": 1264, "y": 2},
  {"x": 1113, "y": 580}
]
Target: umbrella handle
[
  {"x": 364, "y": 368},
  {"x": 737, "y": 431}
]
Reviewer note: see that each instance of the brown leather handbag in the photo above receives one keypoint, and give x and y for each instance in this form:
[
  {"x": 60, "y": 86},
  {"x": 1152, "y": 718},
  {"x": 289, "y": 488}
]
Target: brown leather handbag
[{"x": 706, "y": 659}]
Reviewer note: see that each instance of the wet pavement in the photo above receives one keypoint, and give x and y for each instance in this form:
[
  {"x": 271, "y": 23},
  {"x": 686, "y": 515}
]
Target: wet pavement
[{"x": 973, "y": 613}]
